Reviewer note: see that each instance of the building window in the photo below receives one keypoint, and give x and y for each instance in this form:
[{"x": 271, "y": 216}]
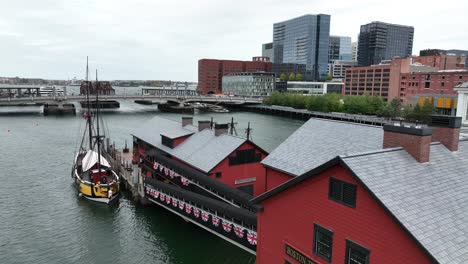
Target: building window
[
  {"x": 342, "y": 192},
  {"x": 219, "y": 174},
  {"x": 442, "y": 84},
  {"x": 356, "y": 254},
  {"x": 246, "y": 188},
  {"x": 167, "y": 141},
  {"x": 427, "y": 85},
  {"x": 244, "y": 157},
  {"x": 323, "y": 242}
]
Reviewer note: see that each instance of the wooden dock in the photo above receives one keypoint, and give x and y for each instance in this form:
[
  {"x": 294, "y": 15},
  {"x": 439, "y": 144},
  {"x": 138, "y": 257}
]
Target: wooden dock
[{"x": 305, "y": 114}]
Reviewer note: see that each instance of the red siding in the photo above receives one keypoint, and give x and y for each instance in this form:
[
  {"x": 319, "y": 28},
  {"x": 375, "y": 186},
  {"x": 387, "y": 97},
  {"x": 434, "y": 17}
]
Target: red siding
[
  {"x": 177, "y": 141},
  {"x": 290, "y": 216},
  {"x": 275, "y": 178},
  {"x": 238, "y": 172},
  {"x": 244, "y": 171}
]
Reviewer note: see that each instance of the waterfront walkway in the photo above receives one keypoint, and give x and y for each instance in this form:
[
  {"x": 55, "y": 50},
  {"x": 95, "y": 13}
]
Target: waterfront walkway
[{"x": 306, "y": 114}]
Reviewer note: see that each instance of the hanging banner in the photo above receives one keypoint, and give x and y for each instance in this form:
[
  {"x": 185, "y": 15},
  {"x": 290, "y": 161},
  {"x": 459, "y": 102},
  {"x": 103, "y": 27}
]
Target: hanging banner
[
  {"x": 239, "y": 230},
  {"x": 184, "y": 181},
  {"x": 174, "y": 202},
  {"x": 215, "y": 220},
  {"x": 205, "y": 216},
  {"x": 252, "y": 237},
  {"x": 227, "y": 226},
  {"x": 162, "y": 196},
  {"x": 181, "y": 205},
  {"x": 168, "y": 199},
  {"x": 155, "y": 165},
  {"x": 156, "y": 194},
  {"x": 188, "y": 208},
  {"x": 196, "y": 212}
]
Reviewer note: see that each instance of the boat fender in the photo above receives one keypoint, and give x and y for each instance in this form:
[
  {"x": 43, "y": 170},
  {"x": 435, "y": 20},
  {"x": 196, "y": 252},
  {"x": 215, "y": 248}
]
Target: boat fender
[
  {"x": 109, "y": 193},
  {"x": 80, "y": 195}
]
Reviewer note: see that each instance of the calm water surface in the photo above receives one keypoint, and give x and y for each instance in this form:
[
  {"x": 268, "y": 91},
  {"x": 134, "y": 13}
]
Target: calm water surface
[{"x": 43, "y": 221}]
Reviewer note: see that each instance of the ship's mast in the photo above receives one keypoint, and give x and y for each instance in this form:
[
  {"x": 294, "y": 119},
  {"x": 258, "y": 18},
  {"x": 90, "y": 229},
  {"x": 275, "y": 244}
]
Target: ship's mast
[
  {"x": 98, "y": 136},
  {"x": 89, "y": 107}
]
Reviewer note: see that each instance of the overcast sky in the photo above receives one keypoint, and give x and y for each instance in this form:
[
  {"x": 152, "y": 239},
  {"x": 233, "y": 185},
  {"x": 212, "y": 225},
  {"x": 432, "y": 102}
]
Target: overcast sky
[{"x": 155, "y": 39}]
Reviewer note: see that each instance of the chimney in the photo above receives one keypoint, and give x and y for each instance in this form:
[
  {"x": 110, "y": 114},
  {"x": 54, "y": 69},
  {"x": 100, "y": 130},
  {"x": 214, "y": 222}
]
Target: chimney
[
  {"x": 204, "y": 125},
  {"x": 415, "y": 140},
  {"x": 221, "y": 129},
  {"x": 187, "y": 120},
  {"x": 446, "y": 130}
]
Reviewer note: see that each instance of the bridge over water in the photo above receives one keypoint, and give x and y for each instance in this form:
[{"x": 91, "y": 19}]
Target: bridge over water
[{"x": 157, "y": 99}]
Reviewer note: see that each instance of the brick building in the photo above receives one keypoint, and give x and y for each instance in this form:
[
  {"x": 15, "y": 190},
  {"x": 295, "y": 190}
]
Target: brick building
[
  {"x": 404, "y": 78},
  {"x": 442, "y": 61},
  {"x": 430, "y": 83},
  {"x": 211, "y": 72},
  {"x": 400, "y": 202}
]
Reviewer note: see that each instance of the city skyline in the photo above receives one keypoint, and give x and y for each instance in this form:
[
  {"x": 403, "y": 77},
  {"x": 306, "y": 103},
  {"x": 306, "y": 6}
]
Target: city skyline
[{"x": 146, "y": 40}]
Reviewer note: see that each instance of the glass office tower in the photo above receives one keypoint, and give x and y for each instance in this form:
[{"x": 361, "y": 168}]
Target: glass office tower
[
  {"x": 382, "y": 41},
  {"x": 303, "y": 40},
  {"x": 340, "y": 49}
]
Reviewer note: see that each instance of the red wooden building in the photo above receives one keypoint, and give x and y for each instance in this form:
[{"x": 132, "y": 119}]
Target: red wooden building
[
  {"x": 405, "y": 202},
  {"x": 207, "y": 148}
]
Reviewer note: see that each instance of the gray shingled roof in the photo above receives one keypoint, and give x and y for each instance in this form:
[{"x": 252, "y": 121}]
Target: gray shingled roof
[
  {"x": 202, "y": 150},
  {"x": 429, "y": 199},
  {"x": 318, "y": 141},
  {"x": 152, "y": 129}
]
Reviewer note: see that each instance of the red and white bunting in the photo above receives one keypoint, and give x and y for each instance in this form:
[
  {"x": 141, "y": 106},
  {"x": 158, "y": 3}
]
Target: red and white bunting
[
  {"x": 215, "y": 220},
  {"x": 155, "y": 165},
  {"x": 166, "y": 171},
  {"x": 168, "y": 199},
  {"x": 171, "y": 174},
  {"x": 184, "y": 181},
  {"x": 227, "y": 226},
  {"x": 188, "y": 208},
  {"x": 174, "y": 202},
  {"x": 252, "y": 237},
  {"x": 176, "y": 175},
  {"x": 155, "y": 194},
  {"x": 205, "y": 216},
  {"x": 162, "y": 196},
  {"x": 196, "y": 212},
  {"x": 161, "y": 168},
  {"x": 148, "y": 191},
  {"x": 181, "y": 205},
  {"x": 239, "y": 230}
]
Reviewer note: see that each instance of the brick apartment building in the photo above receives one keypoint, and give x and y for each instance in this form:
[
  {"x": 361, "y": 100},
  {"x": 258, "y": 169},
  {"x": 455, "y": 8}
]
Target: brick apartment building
[
  {"x": 211, "y": 72},
  {"x": 405, "y": 78}
]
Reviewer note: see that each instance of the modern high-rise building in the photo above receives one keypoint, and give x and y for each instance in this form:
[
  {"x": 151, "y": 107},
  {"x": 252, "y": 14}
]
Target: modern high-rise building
[
  {"x": 303, "y": 40},
  {"x": 382, "y": 41},
  {"x": 354, "y": 50},
  {"x": 339, "y": 49},
  {"x": 267, "y": 50}
]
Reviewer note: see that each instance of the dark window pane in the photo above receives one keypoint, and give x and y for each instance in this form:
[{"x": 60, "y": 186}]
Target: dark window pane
[
  {"x": 323, "y": 241},
  {"x": 349, "y": 194}
]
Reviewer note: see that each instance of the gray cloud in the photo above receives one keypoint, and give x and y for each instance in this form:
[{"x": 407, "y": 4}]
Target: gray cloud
[{"x": 149, "y": 39}]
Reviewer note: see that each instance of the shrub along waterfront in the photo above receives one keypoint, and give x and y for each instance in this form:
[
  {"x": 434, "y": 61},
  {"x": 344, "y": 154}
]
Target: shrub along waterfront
[{"x": 353, "y": 104}]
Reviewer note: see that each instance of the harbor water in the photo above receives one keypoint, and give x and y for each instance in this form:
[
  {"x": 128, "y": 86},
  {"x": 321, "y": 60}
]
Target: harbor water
[{"x": 43, "y": 221}]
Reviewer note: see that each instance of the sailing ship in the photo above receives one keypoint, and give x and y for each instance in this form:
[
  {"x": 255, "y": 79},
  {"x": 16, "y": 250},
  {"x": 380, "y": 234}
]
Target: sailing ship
[{"x": 92, "y": 174}]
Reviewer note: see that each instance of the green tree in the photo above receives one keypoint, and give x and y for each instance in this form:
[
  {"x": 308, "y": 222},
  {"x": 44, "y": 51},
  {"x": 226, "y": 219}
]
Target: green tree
[
  {"x": 283, "y": 76},
  {"x": 329, "y": 77},
  {"x": 299, "y": 77},
  {"x": 292, "y": 76}
]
